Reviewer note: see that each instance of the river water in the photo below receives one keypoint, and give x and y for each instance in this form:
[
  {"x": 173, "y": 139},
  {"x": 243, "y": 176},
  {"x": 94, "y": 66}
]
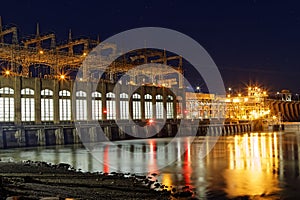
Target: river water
[{"x": 255, "y": 165}]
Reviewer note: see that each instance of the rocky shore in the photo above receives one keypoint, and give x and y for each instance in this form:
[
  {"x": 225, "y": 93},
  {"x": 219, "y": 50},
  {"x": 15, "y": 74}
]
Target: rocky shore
[{"x": 40, "y": 180}]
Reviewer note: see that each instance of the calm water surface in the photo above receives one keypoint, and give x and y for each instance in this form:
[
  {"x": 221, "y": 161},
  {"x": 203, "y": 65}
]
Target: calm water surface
[{"x": 258, "y": 165}]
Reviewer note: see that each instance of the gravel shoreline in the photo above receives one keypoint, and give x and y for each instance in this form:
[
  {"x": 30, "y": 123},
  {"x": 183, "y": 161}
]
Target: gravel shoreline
[{"x": 40, "y": 180}]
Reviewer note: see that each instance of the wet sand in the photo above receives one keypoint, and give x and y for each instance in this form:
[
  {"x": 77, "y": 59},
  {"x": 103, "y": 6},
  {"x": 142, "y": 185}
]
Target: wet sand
[{"x": 38, "y": 180}]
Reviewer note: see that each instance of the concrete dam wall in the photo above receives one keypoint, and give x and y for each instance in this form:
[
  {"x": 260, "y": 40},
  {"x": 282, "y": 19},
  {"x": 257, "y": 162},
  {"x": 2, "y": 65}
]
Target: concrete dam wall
[
  {"x": 288, "y": 110},
  {"x": 12, "y": 136}
]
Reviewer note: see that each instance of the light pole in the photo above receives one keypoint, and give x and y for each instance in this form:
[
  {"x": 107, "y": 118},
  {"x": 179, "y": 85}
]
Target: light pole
[
  {"x": 229, "y": 91},
  {"x": 277, "y": 95},
  {"x": 198, "y": 89}
]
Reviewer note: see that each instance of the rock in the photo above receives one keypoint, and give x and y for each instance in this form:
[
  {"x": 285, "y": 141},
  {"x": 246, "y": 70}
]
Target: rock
[
  {"x": 13, "y": 198},
  {"x": 183, "y": 194},
  {"x": 63, "y": 166},
  {"x": 140, "y": 177},
  {"x": 185, "y": 187},
  {"x": 156, "y": 185}
]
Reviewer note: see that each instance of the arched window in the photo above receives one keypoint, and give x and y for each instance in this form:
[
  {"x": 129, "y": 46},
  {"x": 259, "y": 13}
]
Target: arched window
[
  {"x": 148, "y": 106},
  {"x": 7, "y": 109},
  {"x": 47, "y": 105},
  {"x": 64, "y": 105},
  {"x": 96, "y": 106},
  {"x": 159, "y": 107},
  {"x": 170, "y": 110},
  {"x": 27, "y": 105},
  {"x": 81, "y": 106},
  {"x": 111, "y": 105},
  {"x": 136, "y": 106},
  {"x": 124, "y": 106}
]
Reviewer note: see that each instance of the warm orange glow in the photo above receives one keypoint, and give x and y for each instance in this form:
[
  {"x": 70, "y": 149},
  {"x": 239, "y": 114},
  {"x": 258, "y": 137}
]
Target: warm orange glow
[
  {"x": 41, "y": 52},
  {"x": 7, "y": 72},
  {"x": 62, "y": 76},
  {"x": 167, "y": 179},
  {"x": 236, "y": 100},
  {"x": 252, "y": 161}
]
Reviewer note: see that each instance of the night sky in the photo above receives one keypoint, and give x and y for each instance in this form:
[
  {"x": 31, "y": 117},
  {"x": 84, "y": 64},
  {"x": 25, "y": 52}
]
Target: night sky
[{"x": 250, "y": 41}]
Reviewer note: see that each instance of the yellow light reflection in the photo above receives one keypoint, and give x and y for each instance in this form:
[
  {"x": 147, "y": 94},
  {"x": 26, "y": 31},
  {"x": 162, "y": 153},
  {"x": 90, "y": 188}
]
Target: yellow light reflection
[
  {"x": 252, "y": 160},
  {"x": 167, "y": 179}
]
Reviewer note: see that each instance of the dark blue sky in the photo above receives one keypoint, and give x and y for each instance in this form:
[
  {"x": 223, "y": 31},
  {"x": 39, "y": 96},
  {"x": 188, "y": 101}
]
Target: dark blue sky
[{"x": 253, "y": 40}]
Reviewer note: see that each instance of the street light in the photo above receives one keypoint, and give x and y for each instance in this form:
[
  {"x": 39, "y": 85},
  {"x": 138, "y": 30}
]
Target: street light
[
  {"x": 229, "y": 90},
  {"x": 62, "y": 76},
  {"x": 277, "y": 95},
  {"x": 198, "y": 89}
]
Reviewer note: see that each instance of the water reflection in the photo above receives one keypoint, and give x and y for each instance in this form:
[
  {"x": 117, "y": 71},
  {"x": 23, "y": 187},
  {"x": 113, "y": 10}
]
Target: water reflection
[
  {"x": 253, "y": 163},
  {"x": 256, "y": 164}
]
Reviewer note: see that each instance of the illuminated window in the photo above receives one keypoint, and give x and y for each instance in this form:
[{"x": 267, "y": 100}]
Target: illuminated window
[
  {"x": 159, "y": 107},
  {"x": 27, "y": 105},
  {"x": 170, "y": 110},
  {"x": 47, "y": 105},
  {"x": 64, "y": 105},
  {"x": 136, "y": 106},
  {"x": 124, "y": 106},
  {"x": 96, "y": 106},
  {"x": 81, "y": 106},
  {"x": 148, "y": 106},
  {"x": 179, "y": 107},
  {"x": 111, "y": 105},
  {"x": 7, "y": 109}
]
